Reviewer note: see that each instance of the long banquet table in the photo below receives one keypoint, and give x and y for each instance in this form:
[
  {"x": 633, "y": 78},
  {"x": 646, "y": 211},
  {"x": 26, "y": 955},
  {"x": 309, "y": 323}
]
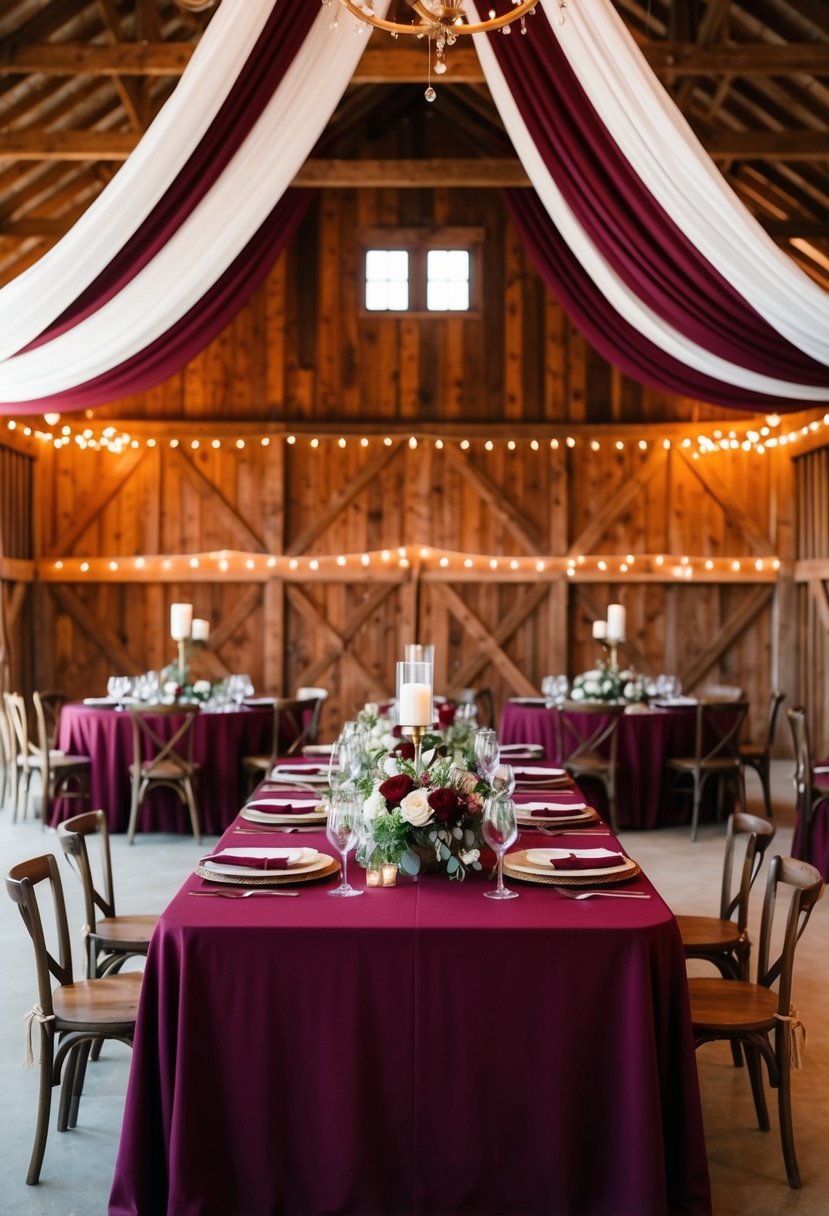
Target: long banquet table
[
  {"x": 219, "y": 742},
  {"x": 647, "y": 737},
  {"x": 419, "y": 1050}
]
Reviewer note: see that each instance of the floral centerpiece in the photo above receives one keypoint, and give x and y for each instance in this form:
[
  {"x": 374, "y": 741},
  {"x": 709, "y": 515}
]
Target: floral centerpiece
[
  {"x": 605, "y": 684},
  {"x": 200, "y": 692},
  {"x": 428, "y": 819}
]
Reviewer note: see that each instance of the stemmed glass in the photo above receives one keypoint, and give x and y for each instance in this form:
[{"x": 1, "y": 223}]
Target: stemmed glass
[
  {"x": 500, "y": 830},
  {"x": 503, "y": 783},
  {"x": 342, "y": 830},
  {"x": 487, "y": 752}
]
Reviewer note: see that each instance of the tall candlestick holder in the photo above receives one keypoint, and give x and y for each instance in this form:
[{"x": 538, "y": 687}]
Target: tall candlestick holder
[
  {"x": 417, "y": 734},
  {"x": 610, "y": 646},
  {"x": 182, "y": 661}
]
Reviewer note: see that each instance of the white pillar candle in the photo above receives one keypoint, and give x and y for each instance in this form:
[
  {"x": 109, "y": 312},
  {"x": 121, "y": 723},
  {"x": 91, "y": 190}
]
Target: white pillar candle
[
  {"x": 200, "y": 630},
  {"x": 181, "y": 619},
  {"x": 415, "y": 705},
  {"x": 616, "y": 622},
  {"x": 600, "y": 630}
]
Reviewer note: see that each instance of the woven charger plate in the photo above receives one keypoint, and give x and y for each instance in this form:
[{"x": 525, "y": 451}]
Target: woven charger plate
[
  {"x": 577, "y": 878},
  {"x": 588, "y": 816},
  {"x": 272, "y": 878}
]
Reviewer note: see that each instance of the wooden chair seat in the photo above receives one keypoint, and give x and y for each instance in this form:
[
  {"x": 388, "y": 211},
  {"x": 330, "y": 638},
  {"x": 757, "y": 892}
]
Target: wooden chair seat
[
  {"x": 131, "y": 933},
  {"x": 710, "y": 934},
  {"x": 721, "y": 764},
  {"x": 165, "y": 770},
  {"x": 88, "y": 1004},
  {"x": 738, "y": 1005},
  {"x": 63, "y": 761}
]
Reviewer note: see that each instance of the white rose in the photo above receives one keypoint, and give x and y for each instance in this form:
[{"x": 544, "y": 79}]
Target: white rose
[
  {"x": 202, "y": 687},
  {"x": 630, "y": 690},
  {"x": 415, "y": 808},
  {"x": 388, "y": 740},
  {"x": 468, "y": 856},
  {"x": 375, "y": 805},
  {"x": 591, "y": 687},
  {"x": 390, "y": 766},
  {"x": 171, "y": 688},
  {"x": 577, "y": 694}
]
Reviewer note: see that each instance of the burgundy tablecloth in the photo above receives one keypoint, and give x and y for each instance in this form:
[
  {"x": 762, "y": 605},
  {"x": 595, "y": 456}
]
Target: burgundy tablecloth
[
  {"x": 817, "y": 849},
  {"x": 220, "y": 740},
  {"x": 646, "y": 740},
  {"x": 419, "y": 1050}
]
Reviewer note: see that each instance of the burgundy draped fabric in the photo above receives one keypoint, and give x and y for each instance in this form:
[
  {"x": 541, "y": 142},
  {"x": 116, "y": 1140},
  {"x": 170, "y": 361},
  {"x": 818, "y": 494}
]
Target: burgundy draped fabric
[
  {"x": 280, "y": 40},
  {"x": 629, "y": 228},
  {"x": 610, "y": 334},
  {"x": 205, "y": 320}
]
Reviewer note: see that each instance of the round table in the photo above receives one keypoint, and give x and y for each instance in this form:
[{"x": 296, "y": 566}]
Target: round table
[
  {"x": 220, "y": 741},
  {"x": 647, "y": 737}
]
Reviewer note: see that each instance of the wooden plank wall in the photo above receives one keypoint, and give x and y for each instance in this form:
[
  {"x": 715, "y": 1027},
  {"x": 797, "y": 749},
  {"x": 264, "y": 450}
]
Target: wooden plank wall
[
  {"x": 16, "y": 552},
  {"x": 345, "y": 629},
  {"x": 812, "y": 572},
  {"x": 303, "y": 354}
]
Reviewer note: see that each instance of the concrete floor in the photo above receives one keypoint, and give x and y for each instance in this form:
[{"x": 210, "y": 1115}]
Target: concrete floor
[{"x": 747, "y": 1173}]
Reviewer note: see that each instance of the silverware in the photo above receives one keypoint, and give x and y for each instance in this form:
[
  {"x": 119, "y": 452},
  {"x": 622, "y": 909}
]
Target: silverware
[
  {"x": 242, "y": 894},
  {"x": 567, "y": 831},
  {"x": 266, "y": 830},
  {"x": 608, "y": 894}
]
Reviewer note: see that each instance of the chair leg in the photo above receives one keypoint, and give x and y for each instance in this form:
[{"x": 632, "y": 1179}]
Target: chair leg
[
  {"x": 194, "y": 814},
  {"x": 736, "y": 1053},
  {"x": 70, "y": 1065},
  {"x": 95, "y": 1054},
  {"x": 77, "y": 1086},
  {"x": 44, "y": 1104},
  {"x": 784, "y": 1107},
  {"x": 135, "y": 802},
  {"x": 695, "y": 811},
  {"x": 765, "y": 780},
  {"x": 757, "y": 1090}
]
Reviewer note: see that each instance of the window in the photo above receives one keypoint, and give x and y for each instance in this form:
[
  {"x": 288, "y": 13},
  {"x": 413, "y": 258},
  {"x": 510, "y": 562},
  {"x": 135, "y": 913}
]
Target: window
[
  {"x": 387, "y": 280},
  {"x": 422, "y": 271}
]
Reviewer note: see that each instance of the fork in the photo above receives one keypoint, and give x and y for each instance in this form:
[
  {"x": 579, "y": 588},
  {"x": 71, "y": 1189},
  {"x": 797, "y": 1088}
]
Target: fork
[
  {"x": 242, "y": 894},
  {"x": 567, "y": 831},
  {"x": 267, "y": 830},
  {"x": 568, "y": 894}
]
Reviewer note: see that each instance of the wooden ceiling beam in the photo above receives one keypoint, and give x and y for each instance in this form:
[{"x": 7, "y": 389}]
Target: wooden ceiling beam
[
  {"x": 407, "y": 64},
  {"x": 480, "y": 172},
  {"x": 768, "y": 145}
]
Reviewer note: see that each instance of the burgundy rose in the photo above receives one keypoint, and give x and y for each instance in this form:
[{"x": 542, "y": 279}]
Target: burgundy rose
[
  {"x": 397, "y": 732},
  {"x": 446, "y": 714},
  {"x": 445, "y": 803},
  {"x": 395, "y": 789},
  {"x": 405, "y": 750}
]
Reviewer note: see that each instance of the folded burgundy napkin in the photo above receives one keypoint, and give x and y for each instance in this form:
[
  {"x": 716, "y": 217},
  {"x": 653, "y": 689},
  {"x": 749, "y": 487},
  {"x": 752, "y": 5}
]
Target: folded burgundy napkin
[
  {"x": 298, "y": 769},
  {"x": 299, "y": 808},
  {"x": 276, "y": 789},
  {"x": 572, "y": 862},
  {"x": 250, "y": 863}
]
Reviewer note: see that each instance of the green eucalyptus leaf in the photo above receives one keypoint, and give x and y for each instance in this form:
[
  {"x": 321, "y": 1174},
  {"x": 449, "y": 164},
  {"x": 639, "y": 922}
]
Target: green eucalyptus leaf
[{"x": 409, "y": 862}]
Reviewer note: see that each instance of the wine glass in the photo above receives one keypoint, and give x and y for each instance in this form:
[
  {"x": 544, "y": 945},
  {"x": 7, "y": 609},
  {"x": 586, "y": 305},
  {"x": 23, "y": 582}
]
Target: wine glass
[
  {"x": 548, "y": 690},
  {"x": 561, "y": 687},
  {"x": 487, "y": 752},
  {"x": 503, "y": 783},
  {"x": 500, "y": 830},
  {"x": 342, "y": 829}
]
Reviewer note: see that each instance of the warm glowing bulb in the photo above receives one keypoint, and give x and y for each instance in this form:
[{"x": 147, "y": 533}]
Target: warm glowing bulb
[
  {"x": 534, "y": 444},
  {"x": 223, "y": 563},
  {"x": 735, "y": 565},
  {"x": 341, "y": 442},
  {"x": 113, "y": 565},
  {"x": 643, "y": 444},
  {"x": 511, "y": 444},
  {"x": 489, "y": 445},
  {"x": 388, "y": 441},
  {"x": 539, "y": 566},
  {"x": 493, "y": 563},
  {"x": 709, "y": 565},
  {"x": 659, "y": 559},
  {"x": 58, "y": 565},
  {"x": 594, "y": 445},
  {"x": 385, "y": 555},
  {"x": 602, "y": 564},
  {"x": 341, "y": 560},
  {"x": 194, "y": 563},
  {"x": 464, "y": 445},
  {"x": 270, "y": 563},
  {"x": 571, "y": 443},
  {"x": 291, "y": 439},
  {"x": 438, "y": 444},
  {"x": 265, "y": 441},
  {"x": 84, "y": 567},
  {"x": 444, "y": 561},
  {"x": 51, "y": 419},
  {"x": 365, "y": 560},
  {"x": 293, "y": 563},
  {"x": 468, "y": 563},
  {"x": 250, "y": 563},
  {"x": 314, "y": 564},
  {"x": 363, "y": 442}
]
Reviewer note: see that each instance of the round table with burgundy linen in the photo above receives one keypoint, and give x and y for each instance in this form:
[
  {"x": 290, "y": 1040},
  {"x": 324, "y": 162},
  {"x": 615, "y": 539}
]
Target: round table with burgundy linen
[
  {"x": 647, "y": 738},
  {"x": 220, "y": 741}
]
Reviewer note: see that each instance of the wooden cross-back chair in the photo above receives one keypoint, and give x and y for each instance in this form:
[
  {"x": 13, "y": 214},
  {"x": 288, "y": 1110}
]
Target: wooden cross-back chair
[
  {"x": 716, "y": 754},
  {"x": 163, "y": 763},
  {"x": 8, "y": 759},
  {"x": 752, "y": 1014},
  {"x": 61, "y": 775},
  {"x": 74, "y": 1014},
  {"x": 811, "y": 785},
  {"x": 295, "y": 724},
  {"x": 588, "y": 744},
  {"x": 758, "y": 755},
  {"x": 723, "y": 940},
  {"x": 110, "y": 939}
]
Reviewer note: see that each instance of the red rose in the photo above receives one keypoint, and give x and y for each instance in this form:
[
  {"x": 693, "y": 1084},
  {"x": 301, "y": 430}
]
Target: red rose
[
  {"x": 445, "y": 803},
  {"x": 405, "y": 750},
  {"x": 397, "y": 732},
  {"x": 446, "y": 714},
  {"x": 395, "y": 789}
]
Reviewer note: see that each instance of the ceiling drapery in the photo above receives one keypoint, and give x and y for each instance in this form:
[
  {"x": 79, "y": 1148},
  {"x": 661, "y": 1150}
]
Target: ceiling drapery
[{"x": 631, "y": 224}]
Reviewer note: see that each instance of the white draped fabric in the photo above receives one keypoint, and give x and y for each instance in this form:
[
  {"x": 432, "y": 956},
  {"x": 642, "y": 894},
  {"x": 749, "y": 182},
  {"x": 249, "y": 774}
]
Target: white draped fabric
[
  {"x": 31, "y": 302},
  {"x": 216, "y": 231},
  {"x": 666, "y": 154},
  {"x": 620, "y": 296}
]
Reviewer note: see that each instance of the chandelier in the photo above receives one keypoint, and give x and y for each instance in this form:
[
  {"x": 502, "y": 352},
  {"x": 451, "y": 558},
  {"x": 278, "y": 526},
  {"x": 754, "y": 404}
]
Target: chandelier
[{"x": 441, "y": 24}]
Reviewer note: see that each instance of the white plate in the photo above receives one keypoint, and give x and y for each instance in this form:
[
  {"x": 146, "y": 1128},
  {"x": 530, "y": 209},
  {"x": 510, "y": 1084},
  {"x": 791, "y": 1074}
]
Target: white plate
[
  {"x": 674, "y": 702},
  {"x": 258, "y": 803},
  {"x": 255, "y": 702},
  {"x": 102, "y": 701},
  {"x": 307, "y": 860},
  {"x": 306, "y": 776},
  {"x": 526, "y": 808},
  {"x": 542, "y": 861},
  {"x": 538, "y": 772},
  {"x": 274, "y": 817},
  {"x": 318, "y": 749}
]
